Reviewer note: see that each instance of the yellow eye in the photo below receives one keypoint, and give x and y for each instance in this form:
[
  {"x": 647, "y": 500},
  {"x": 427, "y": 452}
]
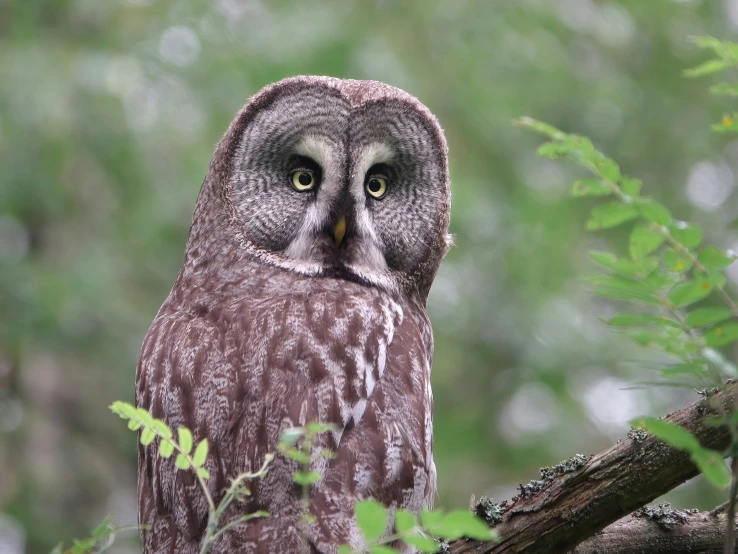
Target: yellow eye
[
  {"x": 376, "y": 186},
  {"x": 303, "y": 179}
]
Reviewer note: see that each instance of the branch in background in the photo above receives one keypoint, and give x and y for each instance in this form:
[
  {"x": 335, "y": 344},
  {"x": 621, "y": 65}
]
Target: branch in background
[
  {"x": 575, "y": 500},
  {"x": 669, "y": 532}
]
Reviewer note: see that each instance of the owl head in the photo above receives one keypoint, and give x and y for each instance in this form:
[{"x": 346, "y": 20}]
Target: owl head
[{"x": 333, "y": 178}]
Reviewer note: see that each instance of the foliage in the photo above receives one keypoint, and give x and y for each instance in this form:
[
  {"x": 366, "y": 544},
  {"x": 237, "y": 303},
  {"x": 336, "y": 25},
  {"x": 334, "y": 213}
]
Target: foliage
[
  {"x": 726, "y": 57},
  {"x": 372, "y": 518},
  {"x": 669, "y": 272},
  {"x": 296, "y": 444},
  {"x": 303, "y": 454},
  {"x": 101, "y": 538},
  {"x": 151, "y": 428}
]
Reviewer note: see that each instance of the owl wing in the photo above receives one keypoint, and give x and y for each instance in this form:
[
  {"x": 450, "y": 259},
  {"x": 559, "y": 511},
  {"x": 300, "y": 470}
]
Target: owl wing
[
  {"x": 184, "y": 377},
  {"x": 344, "y": 357}
]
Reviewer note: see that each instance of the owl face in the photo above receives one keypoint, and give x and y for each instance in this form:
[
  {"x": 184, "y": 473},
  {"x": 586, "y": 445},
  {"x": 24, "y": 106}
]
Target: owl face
[{"x": 341, "y": 178}]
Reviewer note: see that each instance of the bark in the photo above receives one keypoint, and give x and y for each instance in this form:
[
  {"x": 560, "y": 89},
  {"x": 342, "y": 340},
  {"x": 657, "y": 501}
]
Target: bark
[
  {"x": 576, "y": 500},
  {"x": 701, "y": 532}
]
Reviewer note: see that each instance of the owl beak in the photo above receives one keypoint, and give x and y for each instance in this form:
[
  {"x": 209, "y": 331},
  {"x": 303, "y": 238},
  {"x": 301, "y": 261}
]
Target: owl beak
[{"x": 339, "y": 230}]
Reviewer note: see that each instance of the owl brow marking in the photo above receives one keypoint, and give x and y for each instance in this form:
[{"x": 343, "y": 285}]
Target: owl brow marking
[
  {"x": 372, "y": 154},
  {"x": 311, "y": 146}
]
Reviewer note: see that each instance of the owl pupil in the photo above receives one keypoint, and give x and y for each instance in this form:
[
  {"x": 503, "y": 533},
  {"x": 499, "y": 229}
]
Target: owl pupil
[
  {"x": 305, "y": 179},
  {"x": 375, "y": 185}
]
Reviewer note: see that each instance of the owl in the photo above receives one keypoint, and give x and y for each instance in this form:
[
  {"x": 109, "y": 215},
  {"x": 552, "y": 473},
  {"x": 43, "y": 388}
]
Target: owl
[{"x": 317, "y": 233}]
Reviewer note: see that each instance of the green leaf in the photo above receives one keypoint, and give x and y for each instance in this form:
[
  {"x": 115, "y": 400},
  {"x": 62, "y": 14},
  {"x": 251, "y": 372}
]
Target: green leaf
[
  {"x": 713, "y": 258},
  {"x": 327, "y": 453},
  {"x": 134, "y": 425},
  {"x": 577, "y": 148},
  {"x": 83, "y": 546},
  {"x": 382, "y": 550},
  {"x": 646, "y": 337},
  {"x": 644, "y": 240},
  {"x": 717, "y": 279},
  {"x": 424, "y": 544},
  {"x": 704, "y": 317},
  {"x": 606, "y": 259},
  {"x": 297, "y": 455},
  {"x": 204, "y": 473},
  {"x": 607, "y": 168},
  {"x": 161, "y": 428},
  {"x": 462, "y": 523},
  {"x": 430, "y": 519},
  {"x": 676, "y": 261},
  {"x": 670, "y": 339},
  {"x": 610, "y": 215},
  {"x": 728, "y": 124},
  {"x": 623, "y": 294},
  {"x": 728, "y": 89},
  {"x": 612, "y": 286},
  {"x": 627, "y": 268},
  {"x": 658, "y": 280},
  {"x": 591, "y": 187},
  {"x": 404, "y": 521},
  {"x": 290, "y": 436},
  {"x": 722, "y": 335},
  {"x": 316, "y": 428},
  {"x": 709, "y": 42},
  {"x": 631, "y": 187},
  {"x": 712, "y": 465},
  {"x": 628, "y": 320},
  {"x": 201, "y": 453},
  {"x": 123, "y": 409},
  {"x": 556, "y": 150},
  {"x": 540, "y": 127},
  {"x": 345, "y": 549},
  {"x": 371, "y": 517},
  {"x": 726, "y": 50},
  {"x": 708, "y": 67},
  {"x": 147, "y": 436},
  {"x": 679, "y": 370},
  {"x": 689, "y": 236},
  {"x": 185, "y": 439},
  {"x": 690, "y": 292},
  {"x": 103, "y": 530},
  {"x": 145, "y": 417},
  {"x": 182, "y": 462},
  {"x": 305, "y": 478},
  {"x": 166, "y": 448},
  {"x": 655, "y": 212}
]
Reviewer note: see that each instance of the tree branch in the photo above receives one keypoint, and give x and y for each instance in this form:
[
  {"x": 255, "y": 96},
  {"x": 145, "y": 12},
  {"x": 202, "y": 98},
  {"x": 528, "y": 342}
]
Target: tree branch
[
  {"x": 580, "y": 497},
  {"x": 702, "y": 532}
]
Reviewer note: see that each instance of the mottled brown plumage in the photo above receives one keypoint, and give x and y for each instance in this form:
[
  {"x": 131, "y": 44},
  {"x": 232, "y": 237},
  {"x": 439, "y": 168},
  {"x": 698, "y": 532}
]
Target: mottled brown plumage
[{"x": 271, "y": 325}]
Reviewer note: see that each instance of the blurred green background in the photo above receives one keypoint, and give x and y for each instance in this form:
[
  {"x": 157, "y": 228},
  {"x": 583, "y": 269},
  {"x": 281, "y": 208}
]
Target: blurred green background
[{"x": 110, "y": 111}]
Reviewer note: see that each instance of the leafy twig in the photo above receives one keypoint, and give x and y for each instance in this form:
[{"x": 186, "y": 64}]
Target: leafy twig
[{"x": 152, "y": 428}]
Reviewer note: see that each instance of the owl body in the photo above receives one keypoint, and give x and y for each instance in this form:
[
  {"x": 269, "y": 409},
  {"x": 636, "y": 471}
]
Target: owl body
[{"x": 298, "y": 311}]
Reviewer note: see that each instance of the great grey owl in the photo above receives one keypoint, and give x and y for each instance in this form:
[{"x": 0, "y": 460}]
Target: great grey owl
[{"x": 317, "y": 234}]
